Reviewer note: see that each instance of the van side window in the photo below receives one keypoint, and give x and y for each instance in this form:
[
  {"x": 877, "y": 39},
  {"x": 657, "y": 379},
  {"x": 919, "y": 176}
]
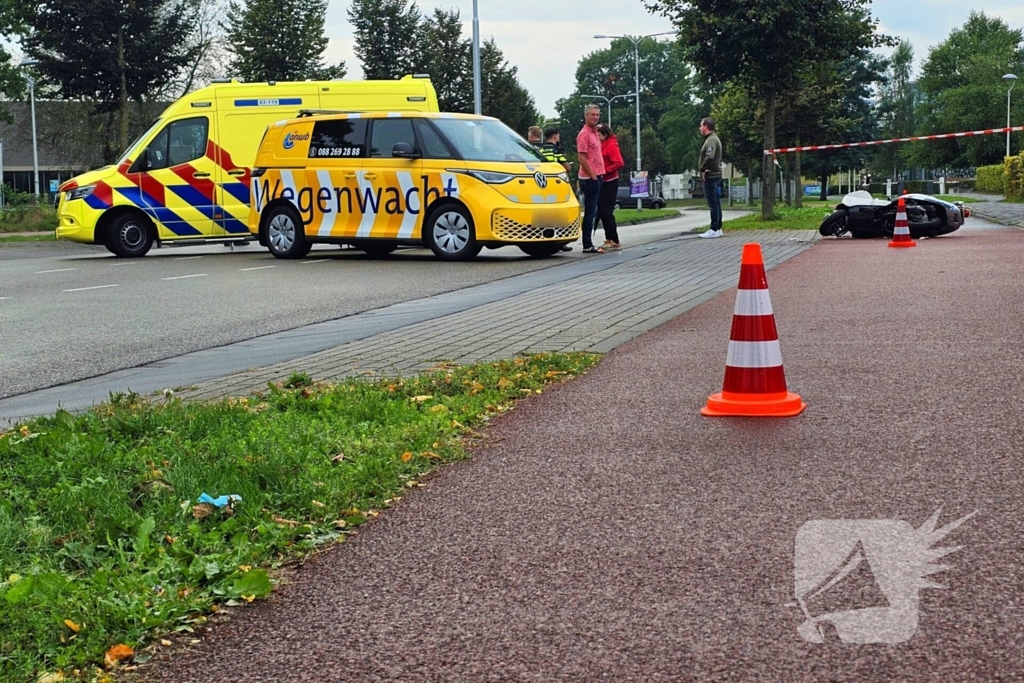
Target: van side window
[
  {"x": 433, "y": 145},
  {"x": 338, "y": 138},
  {"x": 178, "y": 143},
  {"x": 386, "y": 132}
]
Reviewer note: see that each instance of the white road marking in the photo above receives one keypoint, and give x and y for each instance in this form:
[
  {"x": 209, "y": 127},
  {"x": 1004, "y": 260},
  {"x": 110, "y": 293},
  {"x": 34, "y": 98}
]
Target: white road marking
[
  {"x": 319, "y": 260},
  {"x": 125, "y": 263},
  {"x": 182, "y": 277},
  {"x": 257, "y": 268},
  {"x": 4, "y": 298},
  {"x": 186, "y": 258},
  {"x": 83, "y": 289},
  {"x": 61, "y": 270}
]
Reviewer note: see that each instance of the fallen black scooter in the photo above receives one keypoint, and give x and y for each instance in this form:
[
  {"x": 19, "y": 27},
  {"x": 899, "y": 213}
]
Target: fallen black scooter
[{"x": 862, "y": 215}]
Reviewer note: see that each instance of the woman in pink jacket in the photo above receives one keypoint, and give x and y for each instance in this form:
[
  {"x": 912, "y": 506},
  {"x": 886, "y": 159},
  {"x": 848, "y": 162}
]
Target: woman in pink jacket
[{"x": 609, "y": 185}]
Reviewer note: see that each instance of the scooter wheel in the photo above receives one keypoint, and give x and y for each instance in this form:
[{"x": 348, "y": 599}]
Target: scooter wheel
[{"x": 835, "y": 224}]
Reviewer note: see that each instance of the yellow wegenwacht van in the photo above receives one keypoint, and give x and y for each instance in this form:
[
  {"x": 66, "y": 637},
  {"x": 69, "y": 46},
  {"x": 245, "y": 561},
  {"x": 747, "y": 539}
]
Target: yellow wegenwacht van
[
  {"x": 186, "y": 180},
  {"x": 452, "y": 182}
]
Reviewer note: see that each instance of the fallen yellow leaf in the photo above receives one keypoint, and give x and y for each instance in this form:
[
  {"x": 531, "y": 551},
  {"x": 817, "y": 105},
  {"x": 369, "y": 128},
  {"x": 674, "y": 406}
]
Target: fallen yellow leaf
[
  {"x": 407, "y": 456},
  {"x": 249, "y": 598},
  {"x": 117, "y": 654},
  {"x": 504, "y": 383},
  {"x": 318, "y": 504},
  {"x": 555, "y": 373},
  {"x": 439, "y": 408},
  {"x": 51, "y": 678},
  {"x": 165, "y": 643},
  {"x": 421, "y": 399},
  {"x": 72, "y": 625},
  {"x": 432, "y": 455}
]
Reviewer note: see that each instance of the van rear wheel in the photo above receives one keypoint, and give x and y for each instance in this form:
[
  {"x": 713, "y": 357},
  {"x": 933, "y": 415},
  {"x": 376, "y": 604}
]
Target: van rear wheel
[
  {"x": 130, "y": 235},
  {"x": 286, "y": 237}
]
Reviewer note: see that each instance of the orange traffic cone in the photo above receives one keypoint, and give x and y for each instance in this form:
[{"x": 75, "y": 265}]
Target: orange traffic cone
[
  {"x": 901, "y": 231},
  {"x": 755, "y": 384}
]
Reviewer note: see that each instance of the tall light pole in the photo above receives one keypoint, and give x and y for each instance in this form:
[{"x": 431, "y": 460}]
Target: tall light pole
[
  {"x": 32, "y": 100},
  {"x": 477, "y": 99},
  {"x": 608, "y": 102},
  {"x": 1012, "y": 80},
  {"x": 636, "y": 63}
]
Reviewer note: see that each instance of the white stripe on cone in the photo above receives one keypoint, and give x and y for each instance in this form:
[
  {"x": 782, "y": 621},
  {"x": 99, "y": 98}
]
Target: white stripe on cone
[
  {"x": 901, "y": 227},
  {"x": 753, "y": 302},
  {"x": 760, "y": 354}
]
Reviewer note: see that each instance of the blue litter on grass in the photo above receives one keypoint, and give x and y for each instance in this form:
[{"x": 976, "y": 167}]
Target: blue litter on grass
[{"x": 222, "y": 501}]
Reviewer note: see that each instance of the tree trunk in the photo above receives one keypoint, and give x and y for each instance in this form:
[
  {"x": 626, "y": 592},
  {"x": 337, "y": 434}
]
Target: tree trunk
[
  {"x": 122, "y": 133},
  {"x": 824, "y": 186},
  {"x": 768, "y": 191},
  {"x": 750, "y": 183},
  {"x": 799, "y": 199},
  {"x": 787, "y": 183}
]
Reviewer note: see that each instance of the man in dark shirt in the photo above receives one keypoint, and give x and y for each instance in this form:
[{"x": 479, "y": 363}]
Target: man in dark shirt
[
  {"x": 711, "y": 174},
  {"x": 551, "y": 150}
]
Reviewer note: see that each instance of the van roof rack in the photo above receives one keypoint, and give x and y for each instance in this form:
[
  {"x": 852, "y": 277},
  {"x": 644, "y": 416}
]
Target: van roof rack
[{"x": 323, "y": 112}]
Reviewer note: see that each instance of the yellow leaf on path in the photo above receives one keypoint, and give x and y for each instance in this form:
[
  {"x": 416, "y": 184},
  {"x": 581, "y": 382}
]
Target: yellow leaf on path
[
  {"x": 165, "y": 643},
  {"x": 117, "y": 654},
  {"x": 421, "y": 399},
  {"x": 72, "y": 625},
  {"x": 249, "y": 598},
  {"x": 407, "y": 456}
]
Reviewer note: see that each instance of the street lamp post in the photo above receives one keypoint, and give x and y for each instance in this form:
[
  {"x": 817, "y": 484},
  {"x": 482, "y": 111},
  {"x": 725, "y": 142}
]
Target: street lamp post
[
  {"x": 477, "y": 100},
  {"x": 636, "y": 63},
  {"x": 608, "y": 102},
  {"x": 32, "y": 100},
  {"x": 1012, "y": 80}
]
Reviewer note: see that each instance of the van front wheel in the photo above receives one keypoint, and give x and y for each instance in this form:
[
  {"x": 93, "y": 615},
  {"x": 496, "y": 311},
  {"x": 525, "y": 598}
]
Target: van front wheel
[
  {"x": 450, "y": 234},
  {"x": 286, "y": 237},
  {"x": 130, "y": 235}
]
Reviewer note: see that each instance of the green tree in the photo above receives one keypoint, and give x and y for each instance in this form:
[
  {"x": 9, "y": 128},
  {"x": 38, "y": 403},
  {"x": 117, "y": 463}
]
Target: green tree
[
  {"x": 896, "y": 114},
  {"x": 279, "y": 40},
  {"x": 388, "y": 37},
  {"x": 961, "y": 89},
  {"x": 763, "y": 45},
  {"x": 449, "y": 60},
  {"x": 111, "y": 54},
  {"x": 12, "y": 83},
  {"x": 501, "y": 94}
]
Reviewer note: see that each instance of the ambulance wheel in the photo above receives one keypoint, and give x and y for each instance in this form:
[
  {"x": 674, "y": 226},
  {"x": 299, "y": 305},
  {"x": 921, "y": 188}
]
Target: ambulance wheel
[
  {"x": 449, "y": 233},
  {"x": 130, "y": 235},
  {"x": 286, "y": 237}
]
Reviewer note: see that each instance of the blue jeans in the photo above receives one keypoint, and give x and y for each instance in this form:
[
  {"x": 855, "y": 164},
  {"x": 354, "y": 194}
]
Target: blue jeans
[
  {"x": 591, "y": 193},
  {"x": 711, "y": 189}
]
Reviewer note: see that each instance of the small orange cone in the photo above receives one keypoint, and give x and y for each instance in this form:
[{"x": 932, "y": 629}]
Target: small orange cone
[
  {"x": 755, "y": 384},
  {"x": 901, "y": 231}
]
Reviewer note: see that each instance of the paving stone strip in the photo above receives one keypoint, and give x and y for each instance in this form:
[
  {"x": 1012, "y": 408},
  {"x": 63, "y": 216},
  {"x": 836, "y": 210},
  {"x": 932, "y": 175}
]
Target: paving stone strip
[{"x": 594, "y": 312}]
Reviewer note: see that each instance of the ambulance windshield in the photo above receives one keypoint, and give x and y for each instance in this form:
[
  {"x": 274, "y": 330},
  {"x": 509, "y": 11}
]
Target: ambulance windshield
[{"x": 486, "y": 140}]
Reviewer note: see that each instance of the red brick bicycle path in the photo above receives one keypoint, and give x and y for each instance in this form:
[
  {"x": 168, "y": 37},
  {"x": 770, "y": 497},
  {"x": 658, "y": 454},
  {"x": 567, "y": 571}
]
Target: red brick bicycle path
[{"x": 606, "y": 531}]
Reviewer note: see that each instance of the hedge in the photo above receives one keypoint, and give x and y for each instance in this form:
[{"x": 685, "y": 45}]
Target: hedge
[
  {"x": 1013, "y": 177},
  {"x": 990, "y": 179}
]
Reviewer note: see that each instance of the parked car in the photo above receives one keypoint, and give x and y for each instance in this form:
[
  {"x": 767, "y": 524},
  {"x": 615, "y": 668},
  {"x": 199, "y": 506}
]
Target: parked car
[{"x": 623, "y": 200}]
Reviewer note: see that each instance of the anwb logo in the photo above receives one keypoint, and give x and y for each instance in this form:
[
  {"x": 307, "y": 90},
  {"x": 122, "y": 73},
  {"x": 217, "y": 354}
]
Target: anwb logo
[
  {"x": 857, "y": 580},
  {"x": 291, "y": 138}
]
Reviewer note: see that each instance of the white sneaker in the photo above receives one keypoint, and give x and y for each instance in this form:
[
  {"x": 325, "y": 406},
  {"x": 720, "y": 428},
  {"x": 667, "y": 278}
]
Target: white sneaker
[{"x": 711, "y": 233}]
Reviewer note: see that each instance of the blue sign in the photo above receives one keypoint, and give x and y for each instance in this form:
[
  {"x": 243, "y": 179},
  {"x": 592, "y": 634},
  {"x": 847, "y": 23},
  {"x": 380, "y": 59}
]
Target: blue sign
[{"x": 53, "y": 186}]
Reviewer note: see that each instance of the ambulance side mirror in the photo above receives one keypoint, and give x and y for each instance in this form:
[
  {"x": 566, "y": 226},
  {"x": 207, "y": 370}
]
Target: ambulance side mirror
[{"x": 403, "y": 150}]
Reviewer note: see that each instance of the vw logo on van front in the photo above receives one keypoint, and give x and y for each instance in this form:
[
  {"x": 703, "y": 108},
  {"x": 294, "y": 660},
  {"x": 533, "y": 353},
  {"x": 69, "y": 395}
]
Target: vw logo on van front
[{"x": 542, "y": 180}]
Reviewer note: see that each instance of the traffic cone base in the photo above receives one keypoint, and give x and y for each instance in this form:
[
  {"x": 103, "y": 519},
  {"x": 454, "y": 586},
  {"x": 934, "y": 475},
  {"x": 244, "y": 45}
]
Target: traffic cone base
[
  {"x": 722, "y": 404},
  {"x": 902, "y": 245}
]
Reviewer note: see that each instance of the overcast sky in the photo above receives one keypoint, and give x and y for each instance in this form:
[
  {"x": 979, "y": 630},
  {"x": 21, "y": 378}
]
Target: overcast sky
[{"x": 547, "y": 38}]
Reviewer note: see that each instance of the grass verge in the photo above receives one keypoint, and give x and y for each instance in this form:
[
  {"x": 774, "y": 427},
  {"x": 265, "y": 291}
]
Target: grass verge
[
  {"x": 634, "y": 217},
  {"x": 45, "y": 237},
  {"x": 787, "y": 218},
  {"x": 28, "y": 218},
  {"x": 958, "y": 198},
  {"x": 104, "y": 548}
]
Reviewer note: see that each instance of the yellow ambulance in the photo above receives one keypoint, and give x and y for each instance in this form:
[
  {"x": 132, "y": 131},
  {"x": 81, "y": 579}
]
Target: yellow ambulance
[
  {"x": 454, "y": 183},
  {"x": 187, "y": 179}
]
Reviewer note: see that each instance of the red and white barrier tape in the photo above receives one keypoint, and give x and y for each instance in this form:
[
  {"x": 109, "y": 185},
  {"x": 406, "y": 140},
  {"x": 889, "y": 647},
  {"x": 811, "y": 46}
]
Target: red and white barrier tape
[{"x": 844, "y": 145}]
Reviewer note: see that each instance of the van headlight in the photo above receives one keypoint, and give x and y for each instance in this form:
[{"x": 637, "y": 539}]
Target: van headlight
[
  {"x": 489, "y": 177},
  {"x": 80, "y": 192},
  {"x": 563, "y": 176}
]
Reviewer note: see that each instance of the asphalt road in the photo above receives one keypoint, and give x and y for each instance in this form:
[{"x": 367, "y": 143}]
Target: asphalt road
[{"x": 69, "y": 312}]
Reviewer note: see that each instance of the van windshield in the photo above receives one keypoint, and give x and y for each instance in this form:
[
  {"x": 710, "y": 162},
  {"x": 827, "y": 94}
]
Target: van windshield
[
  {"x": 131, "y": 148},
  {"x": 486, "y": 140}
]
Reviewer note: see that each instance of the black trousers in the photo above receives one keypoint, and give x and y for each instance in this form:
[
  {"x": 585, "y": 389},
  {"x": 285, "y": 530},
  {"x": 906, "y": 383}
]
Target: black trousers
[{"x": 606, "y": 209}]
